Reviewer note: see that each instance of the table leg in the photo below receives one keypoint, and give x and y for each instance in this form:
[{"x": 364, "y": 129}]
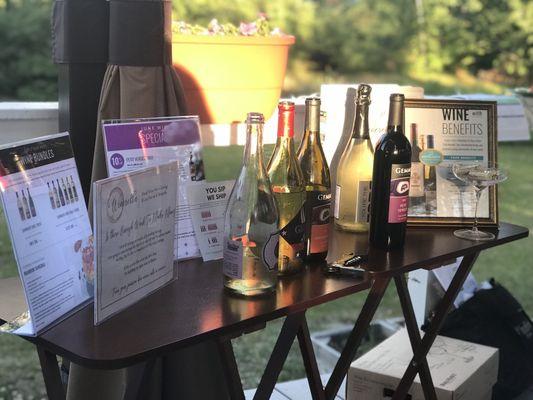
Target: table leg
[
  {"x": 230, "y": 368},
  {"x": 309, "y": 359},
  {"x": 51, "y": 374},
  {"x": 379, "y": 286},
  {"x": 444, "y": 306},
  {"x": 139, "y": 380},
  {"x": 414, "y": 336},
  {"x": 286, "y": 337}
]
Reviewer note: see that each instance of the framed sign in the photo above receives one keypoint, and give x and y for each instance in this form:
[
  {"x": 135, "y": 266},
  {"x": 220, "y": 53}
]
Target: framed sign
[{"x": 443, "y": 133}]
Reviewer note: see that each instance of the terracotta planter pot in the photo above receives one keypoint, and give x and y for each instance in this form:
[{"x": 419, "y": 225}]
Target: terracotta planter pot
[{"x": 225, "y": 77}]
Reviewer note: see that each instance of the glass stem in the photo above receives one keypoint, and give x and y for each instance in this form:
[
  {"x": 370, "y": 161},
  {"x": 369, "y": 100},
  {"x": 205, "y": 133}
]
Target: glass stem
[{"x": 478, "y": 196}]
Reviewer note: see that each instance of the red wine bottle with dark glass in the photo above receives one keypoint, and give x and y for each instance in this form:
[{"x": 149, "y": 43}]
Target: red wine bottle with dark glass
[{"x": 390, "y": 181}]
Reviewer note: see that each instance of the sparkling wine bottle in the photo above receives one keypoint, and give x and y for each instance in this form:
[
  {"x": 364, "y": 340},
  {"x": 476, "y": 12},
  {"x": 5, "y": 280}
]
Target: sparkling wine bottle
[
  {"x": 390, "y": 181},
  {"x": 317, "y": 184},
  {"x": 354, "y": 173},
  {"x": 416, "y": 190},
  {"x": 288, "y": 187},
  {"x": 251, "y": 222}
]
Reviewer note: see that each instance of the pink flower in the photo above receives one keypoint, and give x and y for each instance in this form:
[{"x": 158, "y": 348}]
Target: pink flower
[{"x": 248, "y": 29}]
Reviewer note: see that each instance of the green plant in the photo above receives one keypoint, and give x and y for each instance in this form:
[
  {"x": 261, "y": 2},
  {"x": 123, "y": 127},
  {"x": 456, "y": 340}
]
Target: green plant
[{"x": 26, "y": 68}]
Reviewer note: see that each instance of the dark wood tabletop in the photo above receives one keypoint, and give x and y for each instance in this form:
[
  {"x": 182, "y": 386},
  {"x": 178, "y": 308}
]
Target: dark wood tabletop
[{"x": 195, "y": 307}]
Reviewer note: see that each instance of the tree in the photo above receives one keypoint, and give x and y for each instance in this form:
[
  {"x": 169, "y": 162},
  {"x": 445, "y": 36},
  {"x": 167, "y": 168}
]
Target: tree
[
  {"x": 364, "y": 35},
  {"x": 26, "y": 68},
  {"x": 481, "y": 35}
]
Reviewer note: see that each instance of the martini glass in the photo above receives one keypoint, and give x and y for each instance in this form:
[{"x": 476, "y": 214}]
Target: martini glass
[{"x": 480, "y": 176}]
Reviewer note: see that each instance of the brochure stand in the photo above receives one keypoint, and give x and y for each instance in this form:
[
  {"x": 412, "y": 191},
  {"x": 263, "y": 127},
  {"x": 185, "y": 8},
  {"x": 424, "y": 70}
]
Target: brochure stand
[
  {"x": 49, "y": 229},
  {"x": 131, "y": 145}
]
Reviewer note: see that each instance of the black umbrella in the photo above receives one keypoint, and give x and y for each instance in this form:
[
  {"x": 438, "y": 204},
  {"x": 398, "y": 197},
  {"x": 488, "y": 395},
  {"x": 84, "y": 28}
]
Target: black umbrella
[{"x": 139, "y": 82}]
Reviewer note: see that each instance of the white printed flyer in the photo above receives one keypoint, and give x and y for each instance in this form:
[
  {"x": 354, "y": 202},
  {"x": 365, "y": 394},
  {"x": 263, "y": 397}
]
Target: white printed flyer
[
  {"x": 134, "y": 226},
  {"x": 134, "y": 144},
  {"x": 49, "y": 229},
  {"x": 208, "y": 205}
]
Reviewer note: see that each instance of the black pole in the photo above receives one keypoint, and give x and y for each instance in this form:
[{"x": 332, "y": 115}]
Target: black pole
[{"x": 80, "y": 30}]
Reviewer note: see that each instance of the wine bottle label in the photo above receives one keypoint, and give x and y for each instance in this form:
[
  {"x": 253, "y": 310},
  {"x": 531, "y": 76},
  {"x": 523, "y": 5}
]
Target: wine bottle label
[
  {"x": 294, "y": 233},
  {"x": 399, "y": 192},
  {"x": 269, "y": 256},
  {"x": 417, "y": 180},
  {"x": 317, "y": 208},
  {"x": 337, "y": 202},
  {"x": 232, "y": 262},
  {"x": 431, "y": 157},
  {"x": 362, "y": 208}
]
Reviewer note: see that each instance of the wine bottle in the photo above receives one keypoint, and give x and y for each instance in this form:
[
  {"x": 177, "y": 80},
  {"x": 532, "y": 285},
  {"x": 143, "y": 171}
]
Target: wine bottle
[
  {"x": 317, "y": 180},
  {"x": 32, "y": 204},
  {"x": 25, "y": 205},
  {"x": 288, "y": 187},
  {"x": 51, "y": 196},
  {"x": 416, "y": 190},
  {"x": 69, "y": 190},
  {"x": 74, "y": 190},
  {"x": 390, "y": 181},
  {"x": 61, "y": 196},
  {"x": 251, "y": 222},
  {"x": 430, "y": 183},
  {"x": 65, "y": 192},
  {"x": 56, "y": 195},
  {"x": 354, "y": 173},
  {"x": 20, "y": 207}
]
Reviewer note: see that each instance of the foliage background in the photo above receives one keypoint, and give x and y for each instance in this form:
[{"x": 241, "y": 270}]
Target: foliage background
[{"x": 445, "y": 45}]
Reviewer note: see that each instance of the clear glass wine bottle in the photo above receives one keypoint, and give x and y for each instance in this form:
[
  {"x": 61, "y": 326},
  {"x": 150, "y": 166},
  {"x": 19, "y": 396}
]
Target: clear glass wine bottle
[{"x": 251, "y": 222}]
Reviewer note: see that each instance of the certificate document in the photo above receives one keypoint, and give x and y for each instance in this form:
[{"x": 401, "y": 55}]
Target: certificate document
[
  {"x": 134, "y": 226},
  {"x": 134, "y": 144},
  {"x": 49, "y": 229}
]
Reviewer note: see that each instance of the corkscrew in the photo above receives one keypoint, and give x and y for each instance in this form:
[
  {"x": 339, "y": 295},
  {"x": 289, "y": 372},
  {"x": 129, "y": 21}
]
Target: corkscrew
[{"x": 348, "y": 264}]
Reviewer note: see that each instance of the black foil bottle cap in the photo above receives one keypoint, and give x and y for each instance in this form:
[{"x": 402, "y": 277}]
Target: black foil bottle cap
[
  {"x": 397, "y": 97},
  {"x": 396, "y": 110}
]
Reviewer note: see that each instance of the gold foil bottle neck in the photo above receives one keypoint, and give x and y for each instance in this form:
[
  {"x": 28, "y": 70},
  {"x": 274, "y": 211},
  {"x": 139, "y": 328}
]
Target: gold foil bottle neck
[{"x": 363, "y": 94}]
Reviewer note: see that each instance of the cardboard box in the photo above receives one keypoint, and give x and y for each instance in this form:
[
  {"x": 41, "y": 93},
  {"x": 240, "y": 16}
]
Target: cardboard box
[{"x": 460, "y": 370}]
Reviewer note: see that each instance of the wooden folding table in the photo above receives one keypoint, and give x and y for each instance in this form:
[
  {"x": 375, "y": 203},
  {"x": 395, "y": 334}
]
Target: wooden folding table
[{"x": 195, "y": 308}]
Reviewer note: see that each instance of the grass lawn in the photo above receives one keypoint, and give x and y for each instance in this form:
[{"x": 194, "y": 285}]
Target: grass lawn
[{"x": 510, "y": 264}]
